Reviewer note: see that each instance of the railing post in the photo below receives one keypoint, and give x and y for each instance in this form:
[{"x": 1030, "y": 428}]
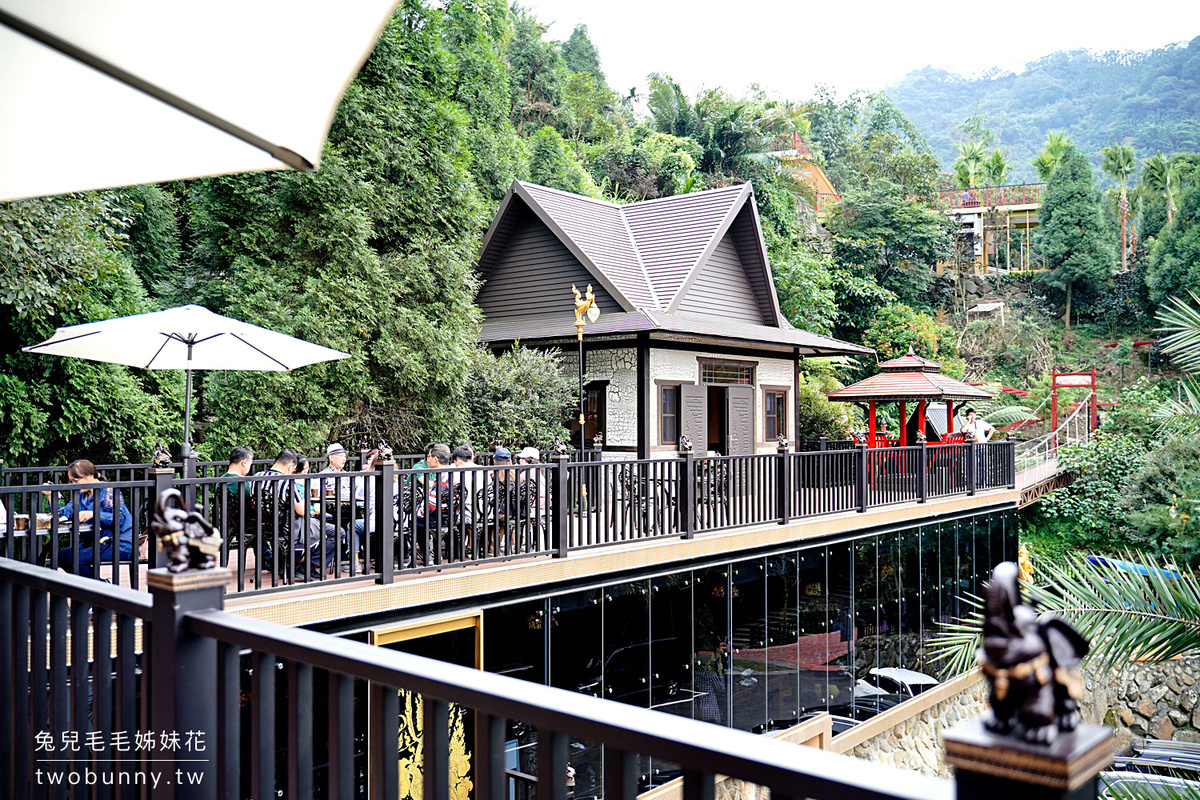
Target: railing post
[
  {"x": 923, "y": 471},
  {"x": 182, "y": 674},
  {"x": 164, "y": 478},
  {"x": 823, "y": 446},
  {"x": 783, "y": 485},
  {"x": 1011, "y": 462},
  {"x": 385, "y": 523},
  {"x": 860, "y": 484},
  {"x": 560, "y": 506},
  {"x": 971, "y": 453}
]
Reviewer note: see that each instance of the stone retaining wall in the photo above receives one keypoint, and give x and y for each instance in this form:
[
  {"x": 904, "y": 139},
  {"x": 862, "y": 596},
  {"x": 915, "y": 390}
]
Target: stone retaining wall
[
  {"x": 916, "y": 743},
  {"x": 1155, "y": 699}
]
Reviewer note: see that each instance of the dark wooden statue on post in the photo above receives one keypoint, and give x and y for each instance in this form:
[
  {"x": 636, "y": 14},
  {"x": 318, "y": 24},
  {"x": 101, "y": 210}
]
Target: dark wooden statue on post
[
  {"x": 1031, "y": 743},
  {"x": 187, "y": 537}
]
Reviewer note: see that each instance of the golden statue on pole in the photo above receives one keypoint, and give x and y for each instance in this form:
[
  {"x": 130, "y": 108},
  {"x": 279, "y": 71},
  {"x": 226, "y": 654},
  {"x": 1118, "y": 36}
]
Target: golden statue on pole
[{"x": 585, "y": 305}]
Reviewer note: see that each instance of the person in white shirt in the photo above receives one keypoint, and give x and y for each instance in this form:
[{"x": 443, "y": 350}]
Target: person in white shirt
[{"x": 980, "y": 429}]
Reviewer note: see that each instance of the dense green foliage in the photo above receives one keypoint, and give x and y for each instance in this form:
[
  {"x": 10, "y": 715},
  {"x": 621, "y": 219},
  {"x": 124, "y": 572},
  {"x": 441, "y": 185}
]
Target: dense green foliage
[
  {"x": 897, "y": 328},
  {"x": 1073, "y": 236},
  {"x": 1149, "y": 100}
]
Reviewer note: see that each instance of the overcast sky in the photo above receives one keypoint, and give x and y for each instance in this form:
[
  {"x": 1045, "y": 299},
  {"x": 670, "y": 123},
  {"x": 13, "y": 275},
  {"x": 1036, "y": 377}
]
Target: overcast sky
[{"x": 788, "y": 48}]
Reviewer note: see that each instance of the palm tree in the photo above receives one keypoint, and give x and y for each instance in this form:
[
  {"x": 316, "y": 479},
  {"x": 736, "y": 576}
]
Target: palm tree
[
  {"x": 1124, "y": 613},
  {"x": 1052, "y": 154},
  {"x": 1119, "y": 162},
  {"x": 995, "y": 169},
  {"x": 970, "y": 163},
  {"x": 1158, "y": 176}
]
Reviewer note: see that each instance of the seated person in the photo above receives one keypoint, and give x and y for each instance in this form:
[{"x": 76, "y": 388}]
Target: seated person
[
  {"x": 462, "y": 504},
  {"x": 533, "y": 493},
  {"x": 97, "y": 506},
  {"x": 234, "y": 512},
  {"x": 497, "y": 505},
  {"x": 307, "y": 526},
  {"x": 430, "y": 508},
  {"x": 340, "y": 493}
]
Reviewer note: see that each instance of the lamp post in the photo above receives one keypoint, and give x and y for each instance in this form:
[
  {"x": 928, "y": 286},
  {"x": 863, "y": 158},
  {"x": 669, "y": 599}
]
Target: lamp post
[{"x": 583, "y": 306}]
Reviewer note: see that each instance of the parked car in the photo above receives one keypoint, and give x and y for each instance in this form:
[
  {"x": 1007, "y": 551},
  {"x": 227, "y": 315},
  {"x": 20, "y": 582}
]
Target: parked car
[
  {"x": 1142, "y": 786},
  {"x": 861, "y": 708},
  {"x": 894, "y": 680},
  {"x": 1159, "y": 757}
]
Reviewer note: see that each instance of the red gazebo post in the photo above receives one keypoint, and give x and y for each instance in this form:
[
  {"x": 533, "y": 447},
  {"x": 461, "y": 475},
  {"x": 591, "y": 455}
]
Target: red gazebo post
[
  {"x": 949, "y": 417},
  {"x": 871, "y": 425},
  {"x": 903, "y": 424},
  {"x": 920, "y": 420}
]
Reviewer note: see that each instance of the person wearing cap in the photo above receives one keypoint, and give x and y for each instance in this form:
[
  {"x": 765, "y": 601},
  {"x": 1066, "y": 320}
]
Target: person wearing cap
[
  {"x": 339, "y": 494},
  {"x": 533, "y": 497},
  {"x": 498, "y": 502}
]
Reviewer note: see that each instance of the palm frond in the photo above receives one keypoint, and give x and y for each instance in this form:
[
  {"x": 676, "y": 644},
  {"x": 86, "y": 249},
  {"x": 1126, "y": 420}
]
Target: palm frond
[
  {"x": 1125, "y": 615},
  {"x": 955, "y": 643},
  {"x": 1180, "y": 417},
  {"x": 1181, "y": 321}
]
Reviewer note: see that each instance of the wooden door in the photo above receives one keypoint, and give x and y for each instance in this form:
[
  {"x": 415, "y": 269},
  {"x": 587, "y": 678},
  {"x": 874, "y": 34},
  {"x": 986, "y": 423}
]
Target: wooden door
[
  {"x": 739, "y": 406},
  {"x": 693, "y": 413}
]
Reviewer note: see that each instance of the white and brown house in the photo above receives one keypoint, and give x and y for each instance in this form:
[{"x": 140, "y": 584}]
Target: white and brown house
[{"x": 690, "y": 338}]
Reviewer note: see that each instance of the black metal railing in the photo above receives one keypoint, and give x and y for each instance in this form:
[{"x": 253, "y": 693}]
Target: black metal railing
[{"x": 280, "y": 530}]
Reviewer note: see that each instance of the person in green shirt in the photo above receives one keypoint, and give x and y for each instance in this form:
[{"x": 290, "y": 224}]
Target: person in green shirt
[{"x": 234, "y": 495}]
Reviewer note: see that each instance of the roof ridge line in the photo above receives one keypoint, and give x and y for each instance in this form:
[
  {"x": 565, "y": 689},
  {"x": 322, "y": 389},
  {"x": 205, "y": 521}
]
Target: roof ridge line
[
  {"x": 637, "y": 252},
  {"x": 585, "y": 197},
  {"x": 650, "y": 200}
]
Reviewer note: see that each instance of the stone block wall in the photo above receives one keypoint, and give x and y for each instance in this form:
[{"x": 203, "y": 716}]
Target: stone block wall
[
  {"x": 915, "y": 743},
  {"x": 1154, "y": 699}
]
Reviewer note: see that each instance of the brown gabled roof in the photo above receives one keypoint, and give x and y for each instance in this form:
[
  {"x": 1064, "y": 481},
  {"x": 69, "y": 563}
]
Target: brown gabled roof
[
  {"x": 645, "y": 254},
  {"x": 675, "y": 234}
]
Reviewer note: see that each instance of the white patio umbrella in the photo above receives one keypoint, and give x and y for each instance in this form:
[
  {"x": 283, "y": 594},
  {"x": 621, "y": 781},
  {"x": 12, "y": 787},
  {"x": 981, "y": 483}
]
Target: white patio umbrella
[
  {"x": 95, "y": 94},
  {"x": 186, "y": 338}
]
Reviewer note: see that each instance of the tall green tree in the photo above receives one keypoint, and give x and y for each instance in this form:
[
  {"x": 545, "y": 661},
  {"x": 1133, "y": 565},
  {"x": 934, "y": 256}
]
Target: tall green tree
[
  {"x": 580, "y": 55},
  {"x": 1174, "y": 267},
  {"x": 972, "y": 157},
  {"x": 1072, "y": 236},
  {"x": 890, "y": 237},
  {"x": 1119, "y": 163},
  {"x": 537, "y": 74},
  {"x": 551, "y": 163},
  {"x": 995, "y": 169},
  {"x": 1159, "y": 180},
  {"x": 65, "y": 261},
  {"x": 370, "y": 255},
  {"x": 1053, "y": 152}
]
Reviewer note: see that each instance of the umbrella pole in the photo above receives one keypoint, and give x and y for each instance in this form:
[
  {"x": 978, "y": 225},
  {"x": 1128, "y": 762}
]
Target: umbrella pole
[{"x": 186, "y": 450}]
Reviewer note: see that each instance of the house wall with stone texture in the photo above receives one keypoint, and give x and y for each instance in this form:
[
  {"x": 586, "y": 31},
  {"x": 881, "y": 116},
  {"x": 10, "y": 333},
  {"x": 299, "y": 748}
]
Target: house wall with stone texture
[
  {"x": 1155, "y": 699},
  {"x": 619, "y": 368}
]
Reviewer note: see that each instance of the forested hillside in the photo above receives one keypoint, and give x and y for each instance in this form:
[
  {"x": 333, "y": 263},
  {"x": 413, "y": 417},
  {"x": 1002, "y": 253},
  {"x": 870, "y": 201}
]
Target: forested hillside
[{"x": 1150, "y": 100}]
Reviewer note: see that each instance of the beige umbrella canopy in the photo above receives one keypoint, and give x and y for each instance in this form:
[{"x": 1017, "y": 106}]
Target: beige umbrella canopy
[
  {"x": 184, "y": 338},
  {"x": 102, "y": 93}
]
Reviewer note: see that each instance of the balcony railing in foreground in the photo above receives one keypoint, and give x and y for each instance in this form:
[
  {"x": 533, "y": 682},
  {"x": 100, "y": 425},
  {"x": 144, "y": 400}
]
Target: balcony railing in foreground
[
  {"x": 280, "y": 530},
  {"x": 92, "y": 671}
]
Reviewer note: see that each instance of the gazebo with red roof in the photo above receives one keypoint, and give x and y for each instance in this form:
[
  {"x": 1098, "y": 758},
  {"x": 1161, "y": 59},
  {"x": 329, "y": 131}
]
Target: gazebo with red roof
[{"x": 910, "y": 378}]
